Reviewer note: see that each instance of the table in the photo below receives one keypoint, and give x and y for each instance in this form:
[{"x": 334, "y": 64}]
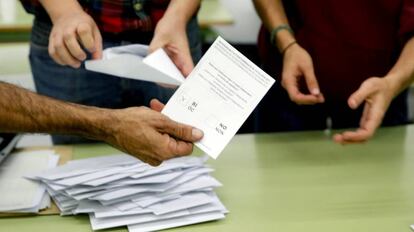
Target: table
[
  {"x": 298, "y": 182},
  {"x": 211, "y": 13}
]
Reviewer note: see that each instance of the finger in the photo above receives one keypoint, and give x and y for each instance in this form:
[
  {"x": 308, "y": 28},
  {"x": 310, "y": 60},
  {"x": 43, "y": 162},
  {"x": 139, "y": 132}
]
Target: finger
[
  {"x": 74, "y": 48},
  {"x": 373, "y": 118},
  {"x": 65, "y": 56},
  {"x": 366, "y": 89},
  {"x": 338, "y": 138},
  {"x": 179, "y": 148},
  {"x": 98, "y": 44},
  {"x": 311, "y": 80},
  {"x": 52, "y": 51},
  {"x": 86, "y": 37},
  {"x": 182, "y": 59},
  {"x": 306, "y": 99},
  {"x": 358, "y": 136},
  {"x": 149, "y": 160},
  {"x": 181, "y": 131},
  {"x": 364, "y": 115},
  {"x": 364, "y": 133},
  {"x": 289, "y": 82},
  {"x": 156, "y": 105}
]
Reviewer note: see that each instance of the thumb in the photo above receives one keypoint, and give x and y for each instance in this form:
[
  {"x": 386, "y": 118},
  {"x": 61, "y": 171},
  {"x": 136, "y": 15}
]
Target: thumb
[
  {"x": 358, "y": 97},
  {"x": 181, "y": 131},
  {"x": 156, "y": 105},
  {"x": 181, "y": 58},
  {"x": 311, "y": 80}
]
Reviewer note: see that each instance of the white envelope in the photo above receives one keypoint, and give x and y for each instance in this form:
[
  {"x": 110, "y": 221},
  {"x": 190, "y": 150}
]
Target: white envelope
[
  {"x": 175, "y": 222},
  {"x": 104, "y": 223},
  {"x": 80, "y": 167},
  {"x": 132, "y": 61}
]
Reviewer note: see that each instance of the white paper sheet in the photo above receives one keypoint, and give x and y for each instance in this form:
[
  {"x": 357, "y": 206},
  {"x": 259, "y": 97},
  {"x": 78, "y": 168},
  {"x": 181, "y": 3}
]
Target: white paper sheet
[
  {"x": 19, "y": 194},
  {"x": 131, "y": 61},
  {"x": 219, "y": 95},
  {"x": 80, "y": 167},
  {"x": 104, "y": 223},
  {"x": 175, "y": 222}
]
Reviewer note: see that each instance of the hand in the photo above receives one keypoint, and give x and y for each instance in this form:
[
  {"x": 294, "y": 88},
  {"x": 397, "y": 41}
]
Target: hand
[
  {"x": 297, "y": 64},
  {"x": 69, "y": 34},
  {"x": 377, "y": 95},
  {"x": 149, "y": 135},
  {"x": 171, "y": 35}
]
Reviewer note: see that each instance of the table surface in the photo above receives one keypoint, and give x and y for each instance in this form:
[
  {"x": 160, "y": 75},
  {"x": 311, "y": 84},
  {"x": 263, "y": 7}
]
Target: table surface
[{"x": 298, "y": 181}]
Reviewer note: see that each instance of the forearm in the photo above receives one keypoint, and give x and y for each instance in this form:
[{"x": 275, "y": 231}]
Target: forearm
[
  {"x": 55, "y": 8},
  {"x": 273, "y": 14},
  {"x": 402, "y": 73},
  {"x": 181, "y": 11},
  {"x": 25, "y": 111}
]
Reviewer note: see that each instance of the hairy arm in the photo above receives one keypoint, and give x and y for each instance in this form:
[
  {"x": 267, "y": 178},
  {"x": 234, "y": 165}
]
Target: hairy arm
[
  {"x": 139, "y": 131},
  {"x": 25, "y": 111}
]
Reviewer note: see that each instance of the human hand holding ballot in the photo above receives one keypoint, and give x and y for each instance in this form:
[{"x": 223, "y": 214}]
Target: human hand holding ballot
[{"x": 218, "y": 95}]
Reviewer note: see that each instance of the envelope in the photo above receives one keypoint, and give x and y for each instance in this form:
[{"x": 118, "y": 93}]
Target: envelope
[{"x": 133, "y": 62}]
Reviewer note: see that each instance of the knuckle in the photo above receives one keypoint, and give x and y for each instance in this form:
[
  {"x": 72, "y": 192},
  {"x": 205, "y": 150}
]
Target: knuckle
[
  {"x": 83, "y": 29},
  {"x": 67, "y": 35}
]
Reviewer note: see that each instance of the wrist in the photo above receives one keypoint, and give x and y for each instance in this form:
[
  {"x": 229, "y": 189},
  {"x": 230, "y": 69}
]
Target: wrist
[
  {"x": 181, "y": 11},
  {"x": 282, "y": 36},
  {"x": 98, "y": 124},
  {"x": 61, "y": 10},
  {"x": 394, "y": 84}
]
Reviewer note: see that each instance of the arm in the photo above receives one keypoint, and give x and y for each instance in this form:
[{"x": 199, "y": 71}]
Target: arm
[
  {"x": 377, "y": 94},
  {"x": 170, "y": 33},
  {"x": 297, "y": 63},
  {"x": 72, "y": 30},
  {"x": 139, "y": 131}
]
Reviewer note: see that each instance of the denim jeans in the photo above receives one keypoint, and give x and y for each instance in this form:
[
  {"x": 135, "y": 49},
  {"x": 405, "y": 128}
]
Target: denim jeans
[{"x": 90, "y": 88}]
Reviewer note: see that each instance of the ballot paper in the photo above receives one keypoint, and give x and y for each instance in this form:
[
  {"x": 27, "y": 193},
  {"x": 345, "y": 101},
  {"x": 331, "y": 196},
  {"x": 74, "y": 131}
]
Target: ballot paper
[
  {"x": 133, "y": 62},
  {"x": 19, "y": 194},
  {"x": 219, "y": 95},
  {"x": 120, "y": 190}
]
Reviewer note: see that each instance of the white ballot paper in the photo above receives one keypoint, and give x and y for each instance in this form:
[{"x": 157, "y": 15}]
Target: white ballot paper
[
  {"x": 133, "y": 62},
  {"x": 219, "y": 95}
]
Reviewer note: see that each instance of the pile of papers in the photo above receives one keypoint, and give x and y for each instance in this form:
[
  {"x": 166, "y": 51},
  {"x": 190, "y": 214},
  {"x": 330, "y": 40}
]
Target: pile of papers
[
  {"x": 18, "y": 194},
  {"x": 121, "y": 190}
]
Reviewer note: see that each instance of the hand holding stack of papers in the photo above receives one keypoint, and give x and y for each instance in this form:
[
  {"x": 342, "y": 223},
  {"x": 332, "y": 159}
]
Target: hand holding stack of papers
[
  {"x": 18, "y": 194},
  {"x": 121, "y": 190}
]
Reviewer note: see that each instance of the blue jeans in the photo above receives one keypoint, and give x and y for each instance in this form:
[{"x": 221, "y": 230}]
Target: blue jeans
[{"x": 90, "y": 88}]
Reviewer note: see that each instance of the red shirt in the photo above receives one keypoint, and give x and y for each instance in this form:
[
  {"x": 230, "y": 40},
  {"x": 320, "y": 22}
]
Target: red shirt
[
  {"x": 349, "y": 41},
  {"x": 114, "y": 16}
]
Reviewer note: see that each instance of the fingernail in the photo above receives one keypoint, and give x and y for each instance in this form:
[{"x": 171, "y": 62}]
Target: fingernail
[
  {"x": 315, "y": 91},
  {"x": 197, "y": 133}
]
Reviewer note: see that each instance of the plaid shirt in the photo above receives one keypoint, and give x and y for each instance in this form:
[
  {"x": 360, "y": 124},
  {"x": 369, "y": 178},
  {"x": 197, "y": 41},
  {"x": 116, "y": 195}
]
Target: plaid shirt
[{"x": 114, "y": 16}]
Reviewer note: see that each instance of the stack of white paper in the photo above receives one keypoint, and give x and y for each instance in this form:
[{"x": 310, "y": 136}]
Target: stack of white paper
[
  {"x": 121, "y": 190},
  {"x": 19, "y": 194}
]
